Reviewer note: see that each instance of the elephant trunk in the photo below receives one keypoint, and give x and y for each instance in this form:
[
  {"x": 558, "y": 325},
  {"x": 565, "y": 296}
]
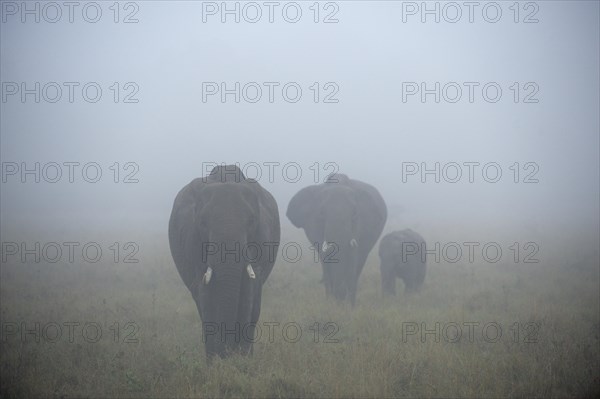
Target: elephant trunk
[
  {"x": 222, "y": 326},
  {"x": 340, "y": 262},
  {"x": 229, "y": 297}
]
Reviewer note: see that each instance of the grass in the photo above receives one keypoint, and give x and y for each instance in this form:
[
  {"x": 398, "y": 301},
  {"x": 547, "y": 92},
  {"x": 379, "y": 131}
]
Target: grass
[{"x": 369, "y": 352}]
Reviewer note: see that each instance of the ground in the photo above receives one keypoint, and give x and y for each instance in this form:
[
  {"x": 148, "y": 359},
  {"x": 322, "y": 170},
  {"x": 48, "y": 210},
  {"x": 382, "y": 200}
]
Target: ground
[{"x": 526, "y": 330}]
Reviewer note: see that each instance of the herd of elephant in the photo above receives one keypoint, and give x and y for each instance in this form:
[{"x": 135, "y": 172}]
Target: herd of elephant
[{"x": 219, "y": 223}]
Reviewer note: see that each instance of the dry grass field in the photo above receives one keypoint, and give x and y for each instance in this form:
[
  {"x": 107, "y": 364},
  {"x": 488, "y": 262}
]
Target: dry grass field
[{"x": 132, "y": 330}]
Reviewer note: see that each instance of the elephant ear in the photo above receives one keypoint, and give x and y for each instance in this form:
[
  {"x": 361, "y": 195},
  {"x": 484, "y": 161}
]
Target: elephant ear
[
  {"x": 302, "y": 206},
  {"x": 268, "y": 231},
  {"x": 372, "y": 211},
  {"x": 391, "y": 244},
  {"x": 183, "y": 237}
]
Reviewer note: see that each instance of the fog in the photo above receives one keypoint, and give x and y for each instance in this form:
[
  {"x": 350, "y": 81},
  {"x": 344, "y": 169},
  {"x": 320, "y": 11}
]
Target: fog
[
  {"x": 367, "y": 134},
  {"x": 370, "y": 63}
]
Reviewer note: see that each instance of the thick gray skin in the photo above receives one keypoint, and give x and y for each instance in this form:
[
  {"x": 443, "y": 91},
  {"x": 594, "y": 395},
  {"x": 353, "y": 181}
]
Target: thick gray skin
[
  {"x": 402, "y": 256},
  {"x": 225, "y": 211},
  {"x": 338, "y": 211}
]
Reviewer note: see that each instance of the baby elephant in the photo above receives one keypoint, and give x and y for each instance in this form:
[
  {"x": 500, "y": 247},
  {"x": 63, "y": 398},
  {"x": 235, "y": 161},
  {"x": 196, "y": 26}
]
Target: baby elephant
[{"x": 402, "y": 255}]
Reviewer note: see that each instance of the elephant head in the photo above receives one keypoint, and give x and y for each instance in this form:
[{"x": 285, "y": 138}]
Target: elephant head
[
  {"x": 402, "y": 255},
  {"x": 343, "y": 218},
  {"x": 224, "y": 233}
]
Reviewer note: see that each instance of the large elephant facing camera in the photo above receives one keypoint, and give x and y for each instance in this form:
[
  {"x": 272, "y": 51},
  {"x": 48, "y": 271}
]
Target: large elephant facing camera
[
  {"x": 224, "y": 233},
  {"x": 343, "y": 218},
  {"x": 403, "y": 255}
]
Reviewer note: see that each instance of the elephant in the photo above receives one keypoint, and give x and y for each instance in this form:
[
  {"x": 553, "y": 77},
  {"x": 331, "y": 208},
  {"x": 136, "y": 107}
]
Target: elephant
[
  {"x": 224, "y": 234},
  {"x": 403, "y": 255},
  {"x": 343, "y": 218}
]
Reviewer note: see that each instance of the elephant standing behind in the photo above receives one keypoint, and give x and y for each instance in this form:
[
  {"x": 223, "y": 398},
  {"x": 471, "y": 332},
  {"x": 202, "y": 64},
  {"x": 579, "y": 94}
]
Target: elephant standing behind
[
  {"x": 224, "y": 233},
  {"x": 403, "y": 255},
  {"x": 343, "y": 218}
]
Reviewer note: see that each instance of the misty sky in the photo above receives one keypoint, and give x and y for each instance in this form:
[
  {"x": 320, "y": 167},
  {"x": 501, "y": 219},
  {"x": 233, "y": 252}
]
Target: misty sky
[{"x": 170, "y": 132}]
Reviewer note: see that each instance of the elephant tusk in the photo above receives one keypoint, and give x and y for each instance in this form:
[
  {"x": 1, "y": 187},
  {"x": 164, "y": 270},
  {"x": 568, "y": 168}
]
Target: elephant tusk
[
  {"x": 250, "y": 271},
  {"x": 353, "y": 243},
  {"x": 325, "y": 246},
  {"x": 207, "y": 276}
]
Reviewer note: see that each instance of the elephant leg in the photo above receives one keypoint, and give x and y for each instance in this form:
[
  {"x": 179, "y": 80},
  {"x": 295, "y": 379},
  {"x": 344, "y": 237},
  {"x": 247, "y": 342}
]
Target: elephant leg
[
  {"x": 247, "y": 327},
  {"x": 211, "y": 336},
  {"x": 246, "y": 344},
  {"x": 328, "y": 281},
  {"x": 198, "y": 306},
  {"x": 248, "y": 335},
  {"x": 361, "y": 259},
  {"x": 413, "y": 287},
  {"x": 409, "y": 287},
  {"x": 410, "y": 284},
  {"x": 389, "y": 285},
  {"x": 209, "y": 344},
  {"x": 352, "y": 289},
  {"x": 414, "y": 277}
]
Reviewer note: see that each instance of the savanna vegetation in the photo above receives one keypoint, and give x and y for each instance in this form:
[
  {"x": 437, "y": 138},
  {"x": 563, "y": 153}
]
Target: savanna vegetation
[{"x": 150, "y": 343}]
